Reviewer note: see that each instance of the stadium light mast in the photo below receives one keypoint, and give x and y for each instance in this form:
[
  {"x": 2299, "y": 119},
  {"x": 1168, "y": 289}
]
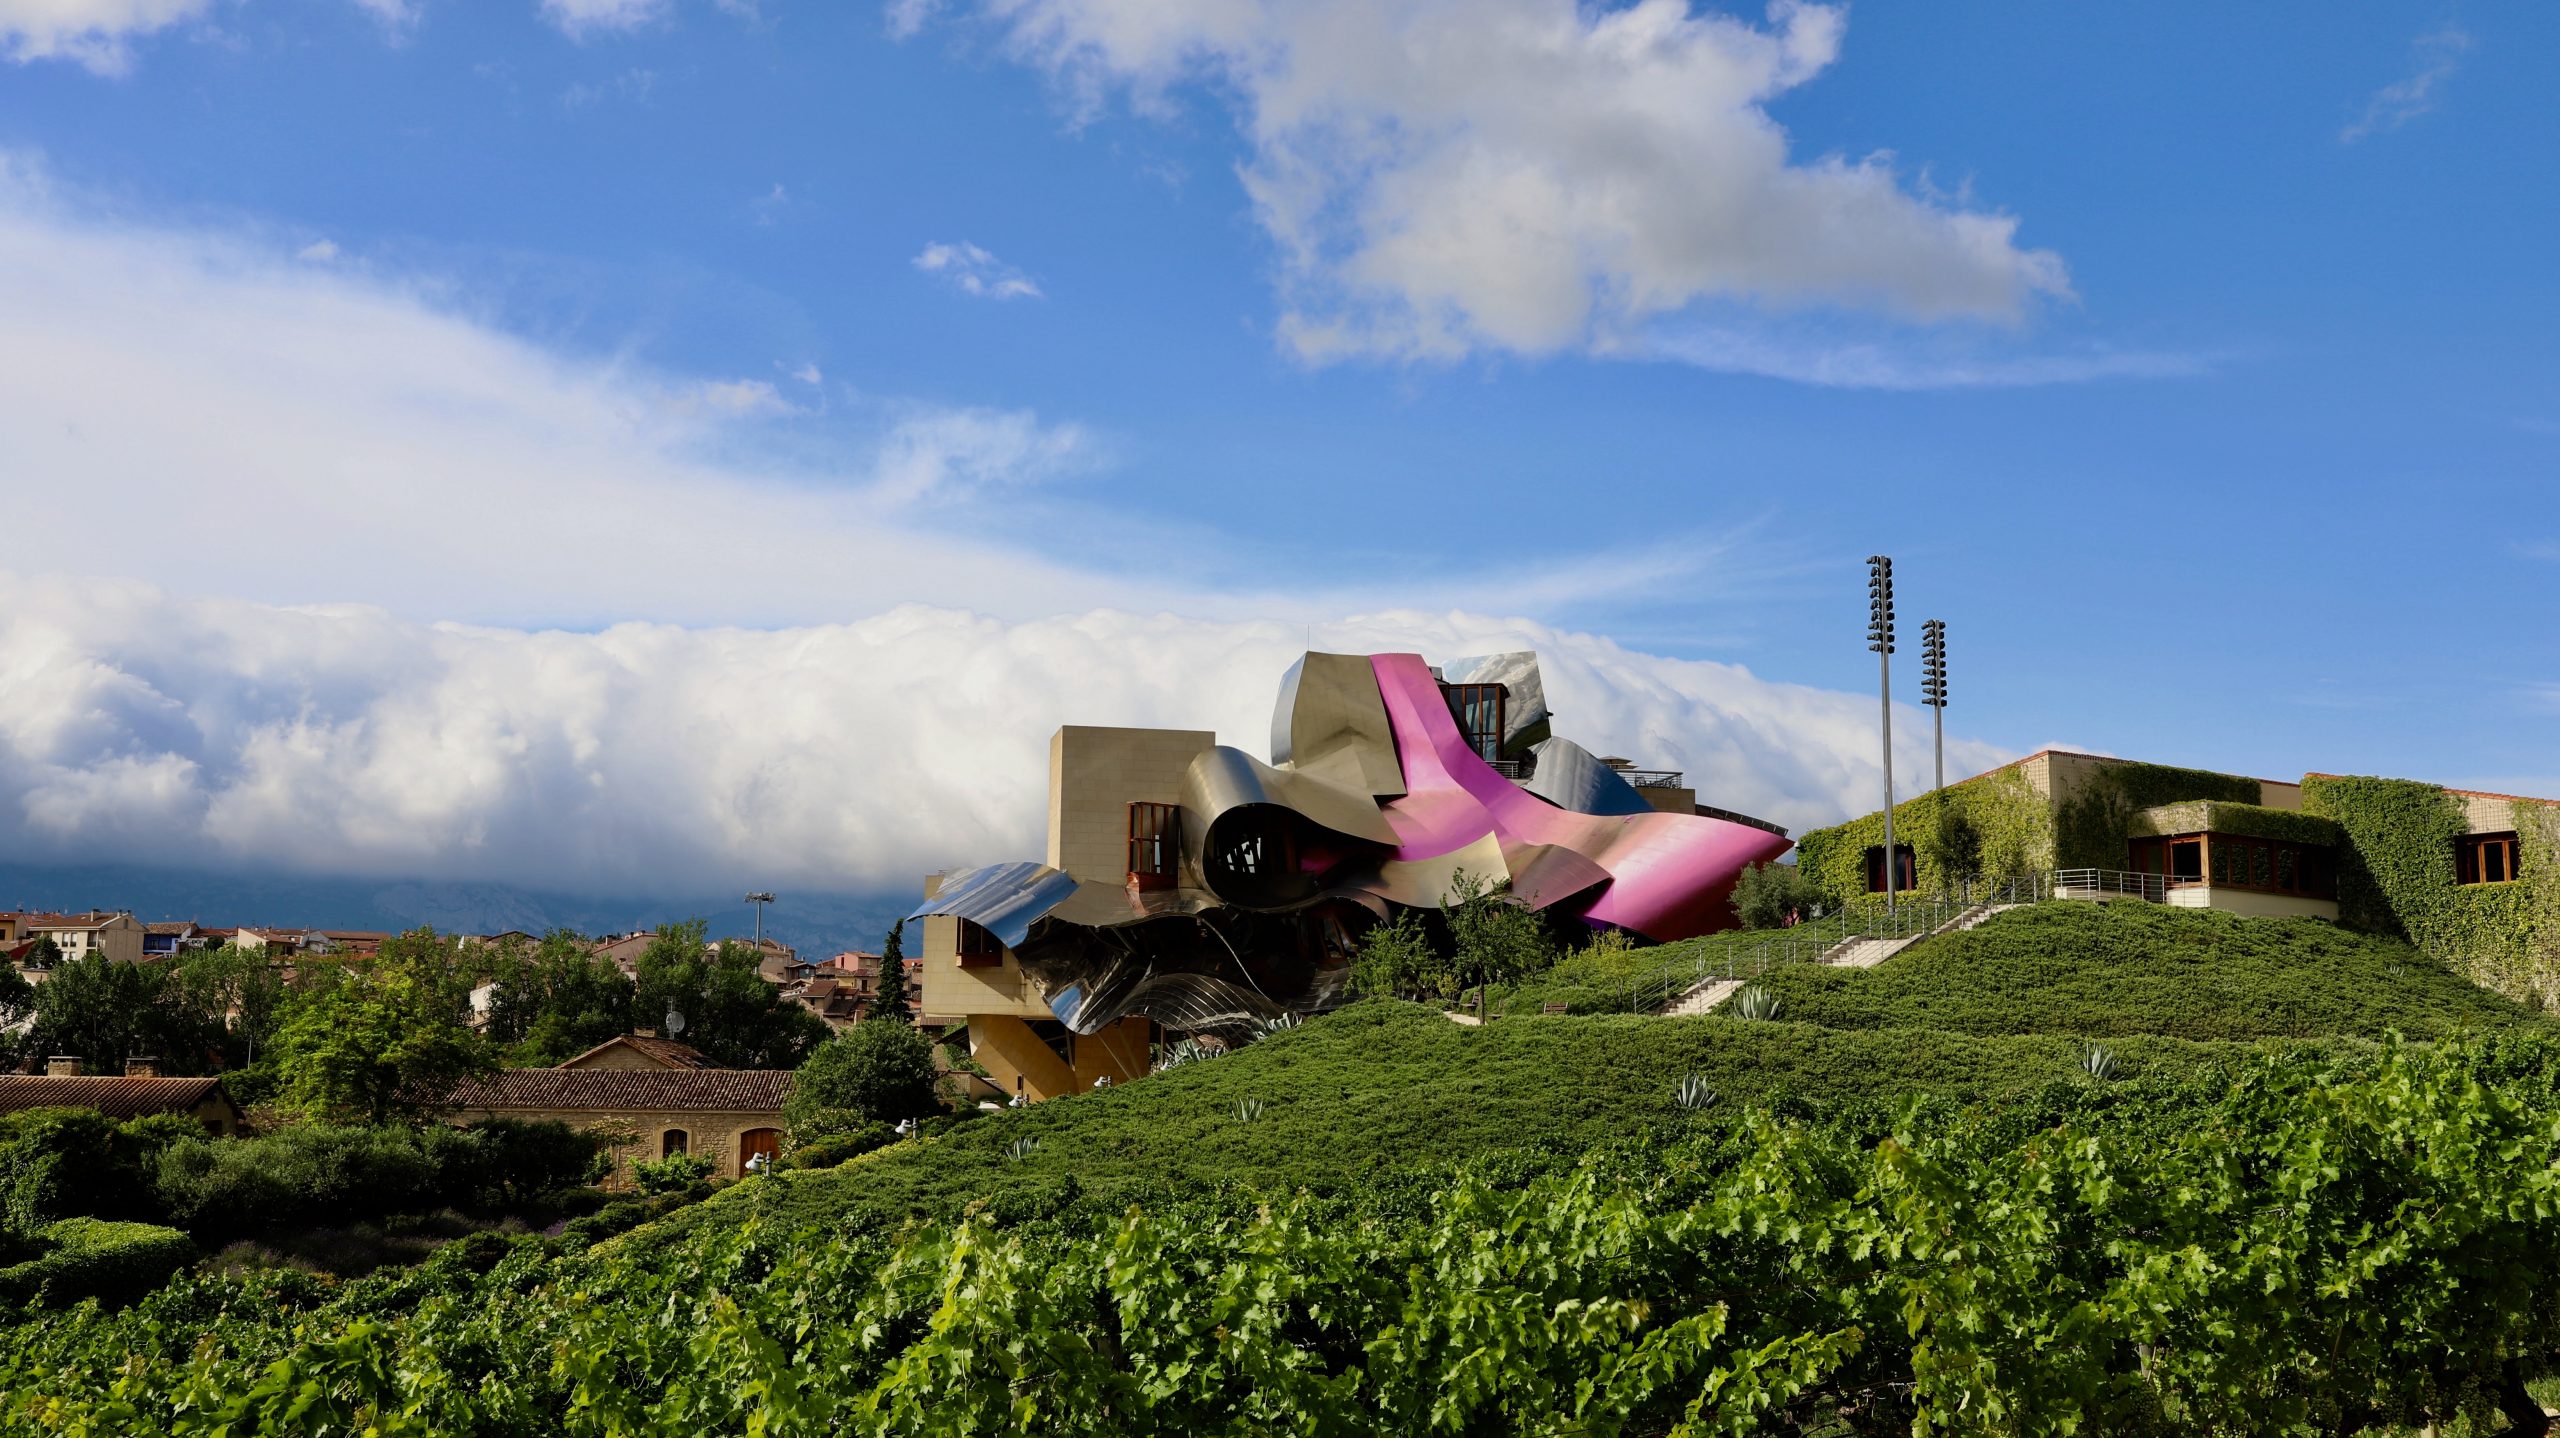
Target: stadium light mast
[
  {"x": 759, "y": 900},
  {"x": 1880, "y": 640},
  {"x": 1933, "y": 685}
]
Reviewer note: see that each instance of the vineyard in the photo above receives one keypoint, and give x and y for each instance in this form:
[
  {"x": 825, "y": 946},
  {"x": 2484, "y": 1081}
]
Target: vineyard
[{"x": 1384, "y": 1222}]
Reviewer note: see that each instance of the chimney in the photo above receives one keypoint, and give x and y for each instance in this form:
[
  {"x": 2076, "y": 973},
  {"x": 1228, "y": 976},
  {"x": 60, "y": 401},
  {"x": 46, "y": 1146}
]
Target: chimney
[
  {"x": 142, "y": 1068},
  {"x": 644, "y": 1033},
  {"x": 62, "y": 1066}
]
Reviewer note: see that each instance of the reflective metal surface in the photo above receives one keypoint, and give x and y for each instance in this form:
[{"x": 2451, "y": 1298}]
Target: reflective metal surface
[{"x": 1376, "y": 802}]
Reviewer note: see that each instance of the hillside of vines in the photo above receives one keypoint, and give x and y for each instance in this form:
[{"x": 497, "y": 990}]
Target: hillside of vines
[{"x": 1854, "y": 1218}]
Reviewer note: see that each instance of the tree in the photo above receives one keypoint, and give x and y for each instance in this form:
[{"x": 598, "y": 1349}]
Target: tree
[
  {"x": 889, "y": 996},
  {"x": 560, "y": 1000},
  {"x": 1395, "y": 957},
  {"x": 17, "y": 1004},
  {"x": 878, "y": 1071},
  {"x": 103, "y": 1012},
  {"x": 240, "y": 995},
  {"x": 1492, "y": 939},
  {"x": 1770, "y": 896},
  {"x": 385, "y": 1042},
  {"x": 731, "y": 1013}
]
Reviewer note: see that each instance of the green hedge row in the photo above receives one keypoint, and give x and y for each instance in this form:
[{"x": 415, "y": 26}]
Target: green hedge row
[{"x": 95, "y": 1258}]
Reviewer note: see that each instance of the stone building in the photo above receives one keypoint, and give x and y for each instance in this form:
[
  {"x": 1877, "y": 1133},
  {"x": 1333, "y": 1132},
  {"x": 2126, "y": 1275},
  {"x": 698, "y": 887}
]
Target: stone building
[{"x": 651, "y": 1097}]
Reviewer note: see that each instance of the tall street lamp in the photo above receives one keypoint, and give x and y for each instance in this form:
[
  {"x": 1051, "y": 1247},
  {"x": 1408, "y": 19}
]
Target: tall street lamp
[
  {"x": 1933, "y": 684},
  {"x": 759, "y": 900},
  {"x": 1880, "y": 640}
]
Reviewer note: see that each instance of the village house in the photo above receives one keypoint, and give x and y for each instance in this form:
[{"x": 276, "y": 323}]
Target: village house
[
  {"x": 650, "y": 1097},
  {"x": 138, "y": 1091}
]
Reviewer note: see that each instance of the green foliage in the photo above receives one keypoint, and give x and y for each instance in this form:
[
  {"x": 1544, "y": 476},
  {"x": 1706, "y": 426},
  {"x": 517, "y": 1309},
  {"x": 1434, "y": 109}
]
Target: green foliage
[
  {"x": 1755, "y": 1003},
  {"x": 2252, "y": 821},
  {"x": 1988, "y": 827},
  {"x": 1395, "y": 958},
  {"x": 730, "y": 1012},
  {"x": 1491, "y": 939},
  {"x": 889, "y": 997},
  {"x": 299, "y": 1177},
  {"x": 559, "y": 1001},
  {"x": 2397, "y": 876},
  {"x": 832, "y": 1148},
  {"x": 384, "y": 1041},
  {"x": 674, "y": 1172},
  {"x": 2091, "y": 825},
  {"x": 63, "y": 1163},
  {"x": 92, "y": 1258},
  {"x": 1769, "y": 896},
  {"x": 879, "y": 1071},
  {"x": 2103, "y": 970},
  {"x": 2289, "y": 1247},
  {"x": 105, "y": 1012}
]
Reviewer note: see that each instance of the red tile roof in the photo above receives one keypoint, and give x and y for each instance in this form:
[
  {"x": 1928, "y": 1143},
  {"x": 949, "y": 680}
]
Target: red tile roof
[
  {"x": 641, "y": 1090},
  {"x": 667, "y": 1052},
  {"x": 112, "y": 1096}
]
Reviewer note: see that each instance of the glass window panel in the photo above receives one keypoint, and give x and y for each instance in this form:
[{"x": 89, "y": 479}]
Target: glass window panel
[
  {"x": 2261, "y": 867},
  {"x": 2288, "y": 875}
]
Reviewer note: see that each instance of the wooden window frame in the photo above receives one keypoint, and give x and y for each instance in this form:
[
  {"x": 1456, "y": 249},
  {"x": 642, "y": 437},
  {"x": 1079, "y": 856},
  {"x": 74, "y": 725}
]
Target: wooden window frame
[
  {"x": 1155, "y": 845},
  {"x": 2476, "y": 856},
  {"x": 1487, "y": 745},
  {"x": 2243, "y": 861}
]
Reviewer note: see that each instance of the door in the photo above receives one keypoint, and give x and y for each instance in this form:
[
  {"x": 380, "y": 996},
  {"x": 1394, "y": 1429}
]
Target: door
[{"x": 755, "y": 1141}]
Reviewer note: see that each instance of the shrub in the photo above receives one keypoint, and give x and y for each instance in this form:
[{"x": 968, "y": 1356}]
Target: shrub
[
  {"x": 878, "y": 1071},
  {"x": 93, "y": 1258},
  {"x": 837, "y": 1146},
  {"x": 1769, "y": 896},
  {"x": 222, "y": 1188},
  {"x": 75, "y": 1162},
  {"x": 675, "y": 1171}
]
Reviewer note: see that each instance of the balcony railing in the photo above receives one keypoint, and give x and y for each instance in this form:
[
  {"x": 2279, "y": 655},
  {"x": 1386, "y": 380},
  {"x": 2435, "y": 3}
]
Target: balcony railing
[
  {"x": 1652, "y": 778},
  {"x": 2110, "y": 883}
]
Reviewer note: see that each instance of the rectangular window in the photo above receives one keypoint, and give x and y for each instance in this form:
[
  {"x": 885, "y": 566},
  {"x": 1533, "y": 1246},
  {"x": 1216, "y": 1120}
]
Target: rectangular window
[
  {"x": 2221, "y": 850},
  {"x": 1907, "y": 877},
  {"x": 1480, "y": 709},
  {"x": 2288, "y": 868},
  {"x": 978, "y": 949},
  {"x": 2262, "y": 872},
  {"x": 1155, "y": 845},
  {"x": 2186, "y": 861},
  {"x": 2484, "y": 858}
]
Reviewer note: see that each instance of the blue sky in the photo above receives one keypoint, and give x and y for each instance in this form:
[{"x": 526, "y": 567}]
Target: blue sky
[{"x": 2194, "y": 362}]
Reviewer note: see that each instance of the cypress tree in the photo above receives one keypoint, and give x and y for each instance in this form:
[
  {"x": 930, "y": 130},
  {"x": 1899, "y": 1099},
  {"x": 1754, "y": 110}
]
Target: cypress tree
[{"x": 889, "y": 996}]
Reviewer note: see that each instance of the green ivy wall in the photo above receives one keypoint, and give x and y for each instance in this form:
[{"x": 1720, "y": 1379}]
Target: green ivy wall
[
  {"x": 1989, "y": 826},
  {"x": 2395, "y": 875}
]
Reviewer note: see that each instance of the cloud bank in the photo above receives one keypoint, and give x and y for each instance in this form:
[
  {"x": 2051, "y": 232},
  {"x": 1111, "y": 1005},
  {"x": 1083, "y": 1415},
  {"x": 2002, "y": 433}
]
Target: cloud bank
[
  {"x": 151, "y": 729},
  {"x": 93, "y": 33},
  {"x": 1446, "y": 176}
]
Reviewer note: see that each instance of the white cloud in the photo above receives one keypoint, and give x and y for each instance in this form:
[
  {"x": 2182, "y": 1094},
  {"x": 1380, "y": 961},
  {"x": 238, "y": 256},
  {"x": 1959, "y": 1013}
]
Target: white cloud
[
  {"x": 1444, "y": 176},
  {"x": 146, "y": 728},
  {"x": 1902, "y": 361},
  {"x": 807, "y": 374},
  {"x": 948, "y": 456},
  {"x": 398, "y": 17},
  {"x": 973, "y": 271},
  {"x": 318, "y": 252},
  {"x": 769, "y": 206},
  {"x": 580, "y": 19},
  {"x": 92, "y": 33},
  {"x": 2439, "y": 54}
]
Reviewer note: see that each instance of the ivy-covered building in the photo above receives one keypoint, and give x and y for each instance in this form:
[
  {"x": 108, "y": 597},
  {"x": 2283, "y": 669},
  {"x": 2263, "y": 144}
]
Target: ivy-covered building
[{"x": 2471, "y": 878}]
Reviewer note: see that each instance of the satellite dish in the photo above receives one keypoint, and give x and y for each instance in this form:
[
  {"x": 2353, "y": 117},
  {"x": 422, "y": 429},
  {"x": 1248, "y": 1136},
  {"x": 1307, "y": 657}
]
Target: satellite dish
[{"x": 675, "y": 1022}]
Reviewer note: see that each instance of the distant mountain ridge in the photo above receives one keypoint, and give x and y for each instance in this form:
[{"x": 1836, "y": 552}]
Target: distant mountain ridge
[{"x": 812, "y": 922}]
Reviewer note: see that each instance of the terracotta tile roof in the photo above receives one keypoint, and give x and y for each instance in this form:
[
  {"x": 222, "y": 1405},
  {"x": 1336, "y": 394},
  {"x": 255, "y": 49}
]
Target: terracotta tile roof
[
  {"x": 112, "y": 1096},
  {"x": 644, "y": 1090},
  {"x": 667, "y": 1052}
]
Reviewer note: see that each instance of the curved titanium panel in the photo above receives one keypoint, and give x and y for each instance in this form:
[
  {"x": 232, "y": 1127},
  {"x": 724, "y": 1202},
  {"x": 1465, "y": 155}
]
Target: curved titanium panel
[
  {"x": 1567, "y": 776},
  {"x": 1003, "y": 899},
  {"x": 1672, "y": 875},
  {"x": 1330, "y": 725}
]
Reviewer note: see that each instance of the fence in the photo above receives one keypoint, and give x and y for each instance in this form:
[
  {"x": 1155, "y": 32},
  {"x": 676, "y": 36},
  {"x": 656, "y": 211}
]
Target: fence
[{"x": 1912, "y": 916}]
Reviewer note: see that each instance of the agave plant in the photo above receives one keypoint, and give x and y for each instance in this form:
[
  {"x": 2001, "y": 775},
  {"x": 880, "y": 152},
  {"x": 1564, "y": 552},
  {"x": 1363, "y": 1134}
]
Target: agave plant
[
  {"x": 1692, "y": 1092},
  {"x": 1248, "y": 1109},
  {"x": 1755, "y": 1002},
  {"x": 1185, "y": 1052},
  {"x": 1020, "y": 1148},
  {"x": 2100, "y": 1062},
  {"x": 1280, "y": 1025}
]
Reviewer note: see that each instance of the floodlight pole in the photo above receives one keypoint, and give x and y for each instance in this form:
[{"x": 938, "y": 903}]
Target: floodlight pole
[
  {"x": 1880, "y": 639},
  {"x": 759, "y": 900},
  {"x": 1933, "y": 686}
]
